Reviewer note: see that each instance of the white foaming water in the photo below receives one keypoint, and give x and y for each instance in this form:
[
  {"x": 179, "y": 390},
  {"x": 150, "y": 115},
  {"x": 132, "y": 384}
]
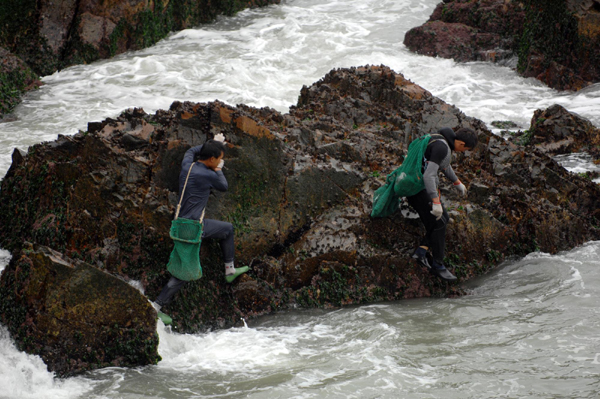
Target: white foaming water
[
  {"x": 578, "y": 163},
  {"x": 262, "y": 57},
  {"x": 530, "y": 329},
  {"x": 24, "y": 376}
]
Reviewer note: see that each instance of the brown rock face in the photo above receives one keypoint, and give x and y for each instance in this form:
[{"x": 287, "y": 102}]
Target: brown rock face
[
  {"x": 469, "y": 30},
  {"x": 556, "y": 41},
  {"x": 300, "y": 192},
  {"x": 75, "y": 316}
]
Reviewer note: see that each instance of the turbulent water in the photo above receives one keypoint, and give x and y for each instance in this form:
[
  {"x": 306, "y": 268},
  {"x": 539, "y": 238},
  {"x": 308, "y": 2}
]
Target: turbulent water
[{"x": 530, "y": 329}]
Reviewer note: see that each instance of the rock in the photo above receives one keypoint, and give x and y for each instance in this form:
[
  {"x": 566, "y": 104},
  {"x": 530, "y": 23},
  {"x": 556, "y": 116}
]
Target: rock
[
  {"x": 453, "y": 40},
  {"x": 74, "y": 316},
  {"x": 556, "y": 42},
  {"x": 15, "y": 79},
  {"x": 469, "y": 31},
  {"x": 555, "y": 131},
  {"x": 300, "y": 196}
]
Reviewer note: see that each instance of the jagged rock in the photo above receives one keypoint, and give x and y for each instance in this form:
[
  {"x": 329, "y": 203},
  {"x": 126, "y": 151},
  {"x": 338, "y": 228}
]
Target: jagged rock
[
  {"x": 556, "y": 131},
  {"x": 300, "y": 192},
  {"x": 73, "y": 315}
]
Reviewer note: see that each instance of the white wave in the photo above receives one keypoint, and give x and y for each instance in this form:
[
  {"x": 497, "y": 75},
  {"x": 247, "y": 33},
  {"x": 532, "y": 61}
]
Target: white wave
[
  {"x": 25, "y": 376},
  {"x": 5, "y": 257},
  {"x": 224, "y": 351}
]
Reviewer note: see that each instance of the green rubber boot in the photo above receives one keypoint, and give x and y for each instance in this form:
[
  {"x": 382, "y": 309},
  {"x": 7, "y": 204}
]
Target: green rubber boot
[
  {"x": 165, "y": 318},
  {"x": 238, "y": 271}
]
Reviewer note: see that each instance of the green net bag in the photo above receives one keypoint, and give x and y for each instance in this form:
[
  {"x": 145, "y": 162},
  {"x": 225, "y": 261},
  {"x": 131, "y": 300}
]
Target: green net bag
[
  {"x": 405, "y": 181},
  {"x": 184, "y": 262}
]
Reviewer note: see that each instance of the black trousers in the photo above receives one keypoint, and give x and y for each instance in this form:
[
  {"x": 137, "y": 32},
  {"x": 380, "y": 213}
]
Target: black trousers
[
  {"x": 222, "y": 231},
  {"x": 435, "y": 230}
]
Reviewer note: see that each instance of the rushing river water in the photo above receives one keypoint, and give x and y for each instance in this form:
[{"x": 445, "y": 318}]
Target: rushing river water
[{"x": 531, "y": 329}]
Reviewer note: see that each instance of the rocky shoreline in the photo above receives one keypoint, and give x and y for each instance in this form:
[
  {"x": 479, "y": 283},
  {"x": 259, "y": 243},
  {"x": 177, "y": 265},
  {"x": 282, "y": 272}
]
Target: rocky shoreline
[
  {"x": 41, "y": 37},
  {"x": 300, "y": 195},
  {"x": 554, "y": 41}
]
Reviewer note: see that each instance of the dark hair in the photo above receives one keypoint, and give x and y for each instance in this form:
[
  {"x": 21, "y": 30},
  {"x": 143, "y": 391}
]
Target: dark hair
[
  {"x": 211, "y": 149},
  {"x": 468, "y": 136}
]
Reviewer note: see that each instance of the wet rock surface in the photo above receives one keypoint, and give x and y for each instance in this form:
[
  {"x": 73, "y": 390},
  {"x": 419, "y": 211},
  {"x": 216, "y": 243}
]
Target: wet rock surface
[
  {"x": 556, "y": 131},
  {"x": 73, "y": 315},
  {"x": 470, "y": 30},
  {"x": 300, "y": 192},
  {"x": 556, "y": 41},
  {"x": 15, "y": 79}
]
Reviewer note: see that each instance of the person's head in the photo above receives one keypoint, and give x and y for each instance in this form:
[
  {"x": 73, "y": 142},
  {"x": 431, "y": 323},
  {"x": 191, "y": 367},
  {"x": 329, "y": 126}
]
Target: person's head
[
  {"x": 211, "y": 153},
  {"x": 465, "y": 140}
]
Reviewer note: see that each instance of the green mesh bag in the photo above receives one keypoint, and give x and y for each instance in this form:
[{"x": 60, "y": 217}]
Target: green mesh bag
[
  {"x": 405, "y": 181},
  {"x": 184, "y": 262}
]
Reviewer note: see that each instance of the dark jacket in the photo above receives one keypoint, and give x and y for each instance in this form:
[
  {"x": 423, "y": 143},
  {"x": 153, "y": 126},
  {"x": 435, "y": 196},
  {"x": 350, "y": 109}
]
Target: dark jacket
[
  {"x": 202, "y": 179},
  {"x": 437, "y": 157}
]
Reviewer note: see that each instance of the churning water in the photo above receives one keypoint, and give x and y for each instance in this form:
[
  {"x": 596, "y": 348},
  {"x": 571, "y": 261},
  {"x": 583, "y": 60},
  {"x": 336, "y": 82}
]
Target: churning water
[{"x": 531, "y": 329}]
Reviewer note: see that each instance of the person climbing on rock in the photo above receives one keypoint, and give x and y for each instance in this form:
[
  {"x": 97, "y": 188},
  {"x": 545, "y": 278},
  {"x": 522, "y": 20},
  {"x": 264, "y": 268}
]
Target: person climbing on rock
[
  {"x": 417, "y": 180},
  {"x": 427, "y": 202},
  {"x": 195, "y": 184}
]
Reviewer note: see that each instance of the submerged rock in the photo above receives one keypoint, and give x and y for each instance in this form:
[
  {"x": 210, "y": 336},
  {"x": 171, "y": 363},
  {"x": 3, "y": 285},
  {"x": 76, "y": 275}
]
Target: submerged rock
[{"x": 300, "y": 192}]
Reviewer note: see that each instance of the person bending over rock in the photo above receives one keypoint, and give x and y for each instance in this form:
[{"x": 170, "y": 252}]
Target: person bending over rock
[
  {"x": 427, "y": 202},
  {"x": 203, "y": 176}
]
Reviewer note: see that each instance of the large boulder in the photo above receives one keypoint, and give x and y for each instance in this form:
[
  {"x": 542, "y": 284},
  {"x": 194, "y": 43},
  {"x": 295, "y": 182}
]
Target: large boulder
[
  {"x": 471, "y": 30},
  {"x": 555, "y": 41},
  {"x": 73, "y": 315},
  {"x": 300, "y": 196}
]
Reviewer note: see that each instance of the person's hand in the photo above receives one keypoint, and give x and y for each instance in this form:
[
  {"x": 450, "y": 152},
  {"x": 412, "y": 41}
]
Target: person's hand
[
  {"x": 219, "y": 137},
  {"x": 437, "y": 210},
  {"x": 460, "y": 187},
  {"x": 220, "y": 165}
]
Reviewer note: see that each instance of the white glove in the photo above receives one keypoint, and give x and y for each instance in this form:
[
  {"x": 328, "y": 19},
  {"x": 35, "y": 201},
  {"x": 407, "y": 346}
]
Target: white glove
[
  {"x": 436, "y": 210},
  {"x": 219, "y": 137},
  {"x": 460, "y": 187},
  {"x": 221, "y": 163}
]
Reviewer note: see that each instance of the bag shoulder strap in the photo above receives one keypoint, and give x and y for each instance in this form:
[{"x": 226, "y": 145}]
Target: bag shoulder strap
[{"x": 182, "y": 192}]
